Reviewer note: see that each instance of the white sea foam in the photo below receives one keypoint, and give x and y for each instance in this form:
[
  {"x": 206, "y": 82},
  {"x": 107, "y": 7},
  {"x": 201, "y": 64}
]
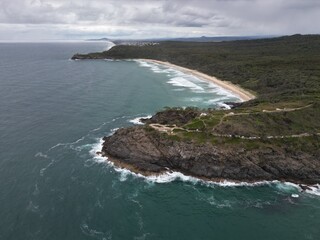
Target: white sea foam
[
  {"x": 97, "y": 147},
  {"x": 41, "y": 155},
  {"x": 223, "y": 105},
  {"x": 137, "y": 120},
  {"x": 221, "y": 91},
  {"x": 66, "y": 144},
  {"x": 288, "y": 187},
  {"x": 57, "y": 145},
  {"x": 36, "y": 190},
  {"x": 171, "y": 176},
  {"x": 181, "y": 79},
  {"x": 315, "y": 190},
  {"x": 153, "y": 66},
  {"x": 143, "y": 63},
  {"x": 95, "y": 234},
  {"x": 105, "y": 123},
  {"x": 113, "y": 130},
  {"x": 219, "y": 204},
  {"x": 42, "y": 171},
  {"x": 124, "y": 173},
  {"x": 178, "y": 89},
  {"x": 98, "y": 128},
  {"x": 32, "y": 207},
  {"x": 189, "y": 81},
  {"x": 168, "y": 176},
  {"x": 77, "y": 141},
  {"x": 183, "y": 82},
  {"x": 194, "y": 99},
  {"x": 217, "y": 100}
]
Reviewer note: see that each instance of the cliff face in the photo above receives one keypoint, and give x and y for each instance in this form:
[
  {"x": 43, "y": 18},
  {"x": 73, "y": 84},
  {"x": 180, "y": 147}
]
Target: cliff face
[{"x": 151, "y": 152}]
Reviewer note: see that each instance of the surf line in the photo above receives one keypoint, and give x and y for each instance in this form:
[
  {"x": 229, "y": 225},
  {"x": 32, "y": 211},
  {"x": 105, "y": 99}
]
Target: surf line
[{"x": 236, "y": 90}]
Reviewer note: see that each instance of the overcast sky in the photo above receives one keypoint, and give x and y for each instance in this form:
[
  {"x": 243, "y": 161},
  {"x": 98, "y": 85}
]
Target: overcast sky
[{"x": 82, "y": 19}]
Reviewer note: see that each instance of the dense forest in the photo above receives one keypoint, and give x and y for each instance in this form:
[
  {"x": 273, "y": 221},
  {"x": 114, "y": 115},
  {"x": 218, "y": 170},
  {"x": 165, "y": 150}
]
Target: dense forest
[
  {"x": 277, "y": 69},
  {"x": 283, "y": 72}
]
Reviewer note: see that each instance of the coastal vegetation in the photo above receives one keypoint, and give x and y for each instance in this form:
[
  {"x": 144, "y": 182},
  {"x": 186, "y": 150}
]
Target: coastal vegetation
[
  {"x": 277, "y": 70},
  {"x": 282, "y": 122},
  {"x": 284, "y": 74}
]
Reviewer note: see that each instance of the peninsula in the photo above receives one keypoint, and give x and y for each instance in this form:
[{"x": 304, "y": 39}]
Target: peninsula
[{"x": 273, "y": 135}]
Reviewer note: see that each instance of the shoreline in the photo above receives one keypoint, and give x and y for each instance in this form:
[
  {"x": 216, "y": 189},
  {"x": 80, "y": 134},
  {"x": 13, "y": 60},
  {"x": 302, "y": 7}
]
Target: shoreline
[
  {"x": 243, "y": 94},
  {"x": 156, "y": 177}
]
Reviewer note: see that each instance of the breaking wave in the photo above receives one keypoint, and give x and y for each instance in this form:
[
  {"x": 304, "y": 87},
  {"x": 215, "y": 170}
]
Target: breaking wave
[
  {"x": 137, "y": 120},
  {"x": 171, "y": 176},
  {"x": 182, "y": 81}
]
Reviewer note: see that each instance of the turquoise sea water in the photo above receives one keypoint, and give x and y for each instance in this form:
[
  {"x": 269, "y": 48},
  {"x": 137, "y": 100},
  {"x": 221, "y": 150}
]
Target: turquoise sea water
[{"x": 53, "y": 113}]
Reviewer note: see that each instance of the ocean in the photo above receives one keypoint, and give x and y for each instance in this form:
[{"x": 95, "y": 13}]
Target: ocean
[{"x": 53, "y": 114}]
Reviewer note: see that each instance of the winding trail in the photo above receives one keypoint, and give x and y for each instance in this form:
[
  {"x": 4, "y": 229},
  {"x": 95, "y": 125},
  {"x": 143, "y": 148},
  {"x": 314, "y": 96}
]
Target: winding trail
[
  {"x": 169, "y": 129},
  {"x": 277, "y": 110}
]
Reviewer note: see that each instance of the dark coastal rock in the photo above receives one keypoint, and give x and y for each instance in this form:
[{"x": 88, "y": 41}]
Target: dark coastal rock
[
  {"x": 173, "y": 117},
  {"x": 304, "y": 187},
  {"x": 79, "y": 57},
  {"x": 149, "y": 151},
  {"x": 87, "y": 56},
  {"x": 233, "y": 105}
]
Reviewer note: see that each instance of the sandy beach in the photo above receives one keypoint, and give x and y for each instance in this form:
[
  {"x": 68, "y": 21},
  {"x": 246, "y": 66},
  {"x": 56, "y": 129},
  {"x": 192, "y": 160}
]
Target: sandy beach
[{"x": 243, "y": 94}]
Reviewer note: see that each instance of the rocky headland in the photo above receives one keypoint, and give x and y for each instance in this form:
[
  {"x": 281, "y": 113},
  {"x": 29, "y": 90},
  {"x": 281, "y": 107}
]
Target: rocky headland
[
  {"x": 146, "y": 150},
  {"x": 273, "y": 135}
]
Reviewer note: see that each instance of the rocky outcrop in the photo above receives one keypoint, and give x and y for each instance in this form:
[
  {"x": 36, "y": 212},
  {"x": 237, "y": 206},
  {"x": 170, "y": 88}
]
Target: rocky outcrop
[
  {"x": 147, "y": 151},
  {"x": 79, "y": 57},
  {"x": 87, "y": 56},
  {"x": 174, "y": 116}
]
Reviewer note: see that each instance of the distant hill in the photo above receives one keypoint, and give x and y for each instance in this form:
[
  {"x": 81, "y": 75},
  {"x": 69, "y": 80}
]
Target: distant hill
[
  {"x": 218, "y": 39},
  {"x": 182, "y": 39},
  {"x": 99, "y": 39}
]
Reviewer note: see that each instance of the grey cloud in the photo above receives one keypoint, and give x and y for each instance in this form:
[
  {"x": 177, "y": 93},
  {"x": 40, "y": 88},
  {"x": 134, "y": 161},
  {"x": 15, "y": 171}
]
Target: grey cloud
[
  {"x": 183, "y": 17},
  {"x": 163, "y": 17}
]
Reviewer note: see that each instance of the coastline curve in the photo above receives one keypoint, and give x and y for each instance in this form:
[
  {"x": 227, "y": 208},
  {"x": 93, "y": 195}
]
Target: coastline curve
[{"x": 243, "y": 94}]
